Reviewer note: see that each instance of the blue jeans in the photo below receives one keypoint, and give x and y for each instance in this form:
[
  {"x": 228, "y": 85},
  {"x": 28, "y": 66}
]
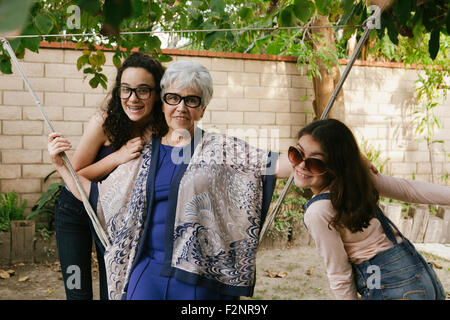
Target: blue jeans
[{"x": 74, "y": 241}]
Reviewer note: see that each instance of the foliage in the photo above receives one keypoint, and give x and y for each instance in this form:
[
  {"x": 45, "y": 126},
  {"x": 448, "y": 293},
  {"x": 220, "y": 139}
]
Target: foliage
[
  {"x": 10, "y": 209},
  {"x": 109, "y": 20},
  {"x": 374, "y": 155},
  {"x": 291, "y": 211},
  {"x": 45, "y": 206}
]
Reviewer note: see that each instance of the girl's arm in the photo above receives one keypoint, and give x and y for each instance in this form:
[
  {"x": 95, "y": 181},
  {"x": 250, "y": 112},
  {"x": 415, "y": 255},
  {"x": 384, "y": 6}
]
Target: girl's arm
[
  {"x": 56, "y": 145},
  {"x": 331, "y": 248},
  {"x": 412, "y": 190},
  {"x": 92, "y": 140}
]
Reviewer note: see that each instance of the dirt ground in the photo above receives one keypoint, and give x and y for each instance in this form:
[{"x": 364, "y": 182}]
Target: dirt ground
[{"x": 282, "y": 274}]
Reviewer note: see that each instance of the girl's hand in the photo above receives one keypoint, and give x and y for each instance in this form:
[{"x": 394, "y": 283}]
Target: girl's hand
[
  {"x": 369, "y": 165},
  {"x": 131, "y": 150},
  {"x": 56, "y": 145}
]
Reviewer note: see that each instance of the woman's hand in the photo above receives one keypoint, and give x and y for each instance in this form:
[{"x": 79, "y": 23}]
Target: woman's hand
[
  {"x": 130, "y": 150},
  {"x": 56, "y": 145}
]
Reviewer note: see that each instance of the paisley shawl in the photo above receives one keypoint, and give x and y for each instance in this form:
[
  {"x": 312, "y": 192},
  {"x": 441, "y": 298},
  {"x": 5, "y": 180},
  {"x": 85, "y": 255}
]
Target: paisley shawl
[{"x": 217, "y": 220}]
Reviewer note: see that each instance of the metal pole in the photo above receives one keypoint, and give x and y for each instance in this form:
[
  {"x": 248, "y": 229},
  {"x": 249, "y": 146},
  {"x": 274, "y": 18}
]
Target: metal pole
[
  {"x": 272, "y": 214},
  {"x": 97, "y": 226}
]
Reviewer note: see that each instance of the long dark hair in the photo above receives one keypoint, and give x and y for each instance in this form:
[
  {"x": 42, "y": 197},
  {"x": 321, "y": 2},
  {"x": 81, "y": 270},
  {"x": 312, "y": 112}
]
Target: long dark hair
[
  {"x": 117, "y": 125},
  {"x": 352, "y": 189}
]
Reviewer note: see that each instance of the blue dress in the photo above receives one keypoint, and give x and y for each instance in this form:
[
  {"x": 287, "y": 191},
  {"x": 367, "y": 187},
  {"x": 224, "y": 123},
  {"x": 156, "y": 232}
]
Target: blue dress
[{"x": 145, "y": 282}]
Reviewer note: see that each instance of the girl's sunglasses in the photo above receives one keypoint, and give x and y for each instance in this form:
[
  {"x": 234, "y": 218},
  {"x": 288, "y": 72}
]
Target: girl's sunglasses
[{"x": 315, "y": 166}]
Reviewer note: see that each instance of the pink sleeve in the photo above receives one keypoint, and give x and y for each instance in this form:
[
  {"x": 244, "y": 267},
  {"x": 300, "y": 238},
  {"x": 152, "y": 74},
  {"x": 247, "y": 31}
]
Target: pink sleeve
[
  {"x": 331, "y": 248},
  {"x": 412, "y": 190}
]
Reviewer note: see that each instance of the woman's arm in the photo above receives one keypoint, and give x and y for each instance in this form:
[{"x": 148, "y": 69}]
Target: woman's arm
[
  {"x": 283, "y": 168},
  {"x": 56, "y": 145},
  {"x": 92, "y": 140},
  {"x": 412, "y": 190}
]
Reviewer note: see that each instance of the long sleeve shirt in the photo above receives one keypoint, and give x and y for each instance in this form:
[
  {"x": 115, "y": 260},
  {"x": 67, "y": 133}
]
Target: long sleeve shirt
[{"x": 340, "y": 248}]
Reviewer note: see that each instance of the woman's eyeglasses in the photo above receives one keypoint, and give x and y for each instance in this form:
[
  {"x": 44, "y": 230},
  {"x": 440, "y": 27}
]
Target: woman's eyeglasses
[
  {"x": 314, "y": 165},
  {"x": 190, "y": 101},
  {"x": 142, "y": 93}
]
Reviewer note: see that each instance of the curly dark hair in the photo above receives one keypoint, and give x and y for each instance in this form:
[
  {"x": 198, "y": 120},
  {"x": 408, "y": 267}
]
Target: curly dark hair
[
  {"x": 117, "y": 126},
  {"x": 352, "y": 190}
]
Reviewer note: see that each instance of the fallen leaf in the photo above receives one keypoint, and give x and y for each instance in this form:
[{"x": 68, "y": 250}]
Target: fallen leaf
[
  {"x": 4, "y": 274},
  {"x": 437, "y": 266},
  {"x": 11, "y": 272},
  {"x": 309, "y": 271},
  {"x": 50, "y": 291},
  {"x": 24, "y": 278},
  {"x": 276, "y": 274}
]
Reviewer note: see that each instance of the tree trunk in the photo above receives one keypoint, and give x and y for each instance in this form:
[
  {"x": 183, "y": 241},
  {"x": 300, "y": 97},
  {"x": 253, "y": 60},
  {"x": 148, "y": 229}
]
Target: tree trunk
[{"x": 325, "y": 84}]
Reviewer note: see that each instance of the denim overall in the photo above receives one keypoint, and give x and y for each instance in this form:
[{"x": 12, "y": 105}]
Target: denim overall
[{"x": 396, "y": 273}]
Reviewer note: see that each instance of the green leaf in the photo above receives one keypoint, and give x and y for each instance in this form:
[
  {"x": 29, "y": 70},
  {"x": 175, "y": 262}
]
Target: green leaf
[
  {"x": 5, "y": 66},
  {"x": 152, "y": 43},
  {"x": 164, "y": 58},
  {"x": 94, "y": 82},
  {"x": 392, "y": 32},
  {"x": 16, "y": 44},
  {"x": 43, "y": 23},
  {"x": 323, "y": 6},
  {"x": 433, "y": 43},
  {"x": 286, "y": 17},
  {"x": 13, "y": 14},
  {"x": 402, "y": 9},
  {"x": 31, "y": 43},
  {"x": 211, "y": 38},
  {"x": 93, "y": 60},
  {"x": 155, "y": 11},
  {"x": 245, "y": 13},
  {"x": 101, "y": 59},
  {"x": 90, "y": 6},
  {"x": 217, "y": 6},
  {"x": 116, "y": 61},
  {"x": 303, "y": 10},
  {"x": 115, "y": 11},
  {"x": 81, "y": 61}
]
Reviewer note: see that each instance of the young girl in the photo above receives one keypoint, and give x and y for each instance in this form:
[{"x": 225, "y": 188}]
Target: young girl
[
  {"x": 362, "y": 250},
  {"x": 111, "y": 138}
]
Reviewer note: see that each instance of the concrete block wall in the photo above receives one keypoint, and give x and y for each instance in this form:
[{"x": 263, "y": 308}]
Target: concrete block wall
[{"x": 265, "y": 99}]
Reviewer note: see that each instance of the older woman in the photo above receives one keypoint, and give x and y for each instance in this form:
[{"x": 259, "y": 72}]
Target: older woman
[{"x": 184, "y": 218}]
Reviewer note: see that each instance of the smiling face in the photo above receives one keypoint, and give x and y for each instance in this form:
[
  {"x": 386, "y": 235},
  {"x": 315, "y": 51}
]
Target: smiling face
[
  {"x": 136, "y": 109},
  {"x": 304, "y": 178},
  {"x": 180, "y": 117}
]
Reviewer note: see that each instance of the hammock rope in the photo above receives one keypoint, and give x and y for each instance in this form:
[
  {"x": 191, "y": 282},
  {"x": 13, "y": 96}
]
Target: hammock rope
[
  {"x": 273, "y": 213},
  {"x": 95, "y": 222}
]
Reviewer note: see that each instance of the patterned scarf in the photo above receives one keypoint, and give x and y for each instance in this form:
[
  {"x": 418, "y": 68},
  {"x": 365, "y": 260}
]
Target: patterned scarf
[{"x": 218, "y": 215}]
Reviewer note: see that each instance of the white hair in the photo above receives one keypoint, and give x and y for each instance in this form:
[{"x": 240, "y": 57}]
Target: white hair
[{"x": 189, "y": 74}]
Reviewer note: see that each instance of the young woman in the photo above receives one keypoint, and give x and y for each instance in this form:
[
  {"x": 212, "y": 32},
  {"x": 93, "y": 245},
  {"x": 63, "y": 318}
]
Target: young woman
[
  {"x": 111, "y": 138},
  {"x": 362, "y": 250}
]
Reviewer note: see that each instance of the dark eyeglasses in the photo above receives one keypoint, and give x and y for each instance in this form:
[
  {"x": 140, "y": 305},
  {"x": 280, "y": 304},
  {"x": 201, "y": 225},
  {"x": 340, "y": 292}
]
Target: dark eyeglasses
[
  {"x": 190, "y": 101},
  {"x": 314, "y": 165},
  {"x": 142, "y": 93}
]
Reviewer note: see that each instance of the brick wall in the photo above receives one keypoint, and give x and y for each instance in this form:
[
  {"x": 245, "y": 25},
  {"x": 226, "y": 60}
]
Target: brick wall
[{"x": 265, "y": 99}]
